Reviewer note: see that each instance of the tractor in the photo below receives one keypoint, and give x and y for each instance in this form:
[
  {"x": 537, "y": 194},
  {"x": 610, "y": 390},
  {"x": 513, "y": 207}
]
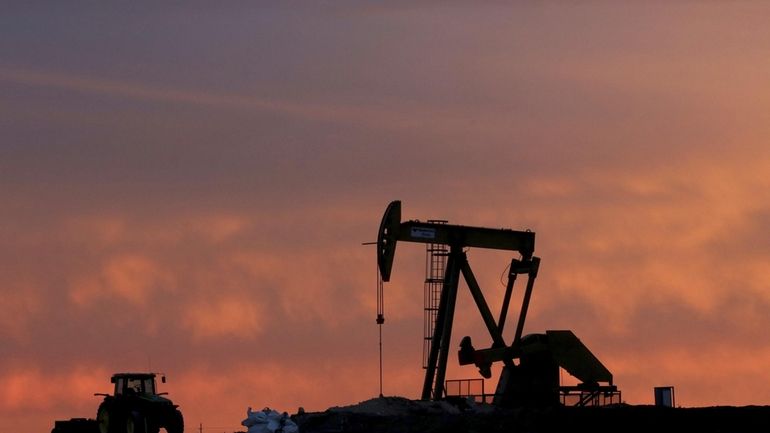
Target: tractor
[{"x": 136, "y": 407}]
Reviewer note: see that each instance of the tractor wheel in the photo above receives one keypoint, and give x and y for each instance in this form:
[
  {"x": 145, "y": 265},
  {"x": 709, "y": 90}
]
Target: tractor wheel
[
  {"x": 151, "y": 425},
  {"x": 103, "y": 418},
  {"x": 175, "y": 423},
  {"x": 135, "y": 423}
]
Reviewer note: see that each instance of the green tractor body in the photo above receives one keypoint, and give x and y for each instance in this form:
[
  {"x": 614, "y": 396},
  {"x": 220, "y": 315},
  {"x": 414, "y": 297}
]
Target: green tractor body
[{"x": 136, "y": 407}]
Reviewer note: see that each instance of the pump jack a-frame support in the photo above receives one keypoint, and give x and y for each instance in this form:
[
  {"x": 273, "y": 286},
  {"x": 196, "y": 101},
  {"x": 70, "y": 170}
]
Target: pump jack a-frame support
[{"x": 458, "y": 238}]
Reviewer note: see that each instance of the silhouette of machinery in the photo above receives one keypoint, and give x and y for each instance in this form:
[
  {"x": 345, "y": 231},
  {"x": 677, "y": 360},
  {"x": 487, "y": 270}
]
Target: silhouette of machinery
[{"x": 530, "y": 376}]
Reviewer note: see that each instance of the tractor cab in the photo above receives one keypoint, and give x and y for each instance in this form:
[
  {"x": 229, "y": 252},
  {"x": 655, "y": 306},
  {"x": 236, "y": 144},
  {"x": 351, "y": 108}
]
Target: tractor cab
[{"x": 135, "y": 384}]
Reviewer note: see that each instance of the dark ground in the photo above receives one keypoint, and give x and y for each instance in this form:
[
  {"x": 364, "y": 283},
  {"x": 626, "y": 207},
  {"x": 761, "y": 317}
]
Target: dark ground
[{"x": 395, "y": 414}]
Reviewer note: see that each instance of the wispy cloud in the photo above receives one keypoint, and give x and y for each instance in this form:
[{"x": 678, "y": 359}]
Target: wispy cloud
[{"x": 405, "y": 117}]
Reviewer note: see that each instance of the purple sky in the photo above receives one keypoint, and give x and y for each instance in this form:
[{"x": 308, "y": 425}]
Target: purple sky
[{"x": 186, "y": 187}]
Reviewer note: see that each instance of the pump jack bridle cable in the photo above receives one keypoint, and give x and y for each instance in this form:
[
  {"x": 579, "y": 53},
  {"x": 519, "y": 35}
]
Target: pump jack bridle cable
[{"x": 380, "y": 318}]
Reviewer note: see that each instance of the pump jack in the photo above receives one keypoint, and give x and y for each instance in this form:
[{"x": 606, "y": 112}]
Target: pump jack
[{"x": 535, "y": 379}]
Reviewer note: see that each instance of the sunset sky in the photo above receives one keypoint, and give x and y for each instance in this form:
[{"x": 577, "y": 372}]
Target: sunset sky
[{"x": 185, "y": 188}]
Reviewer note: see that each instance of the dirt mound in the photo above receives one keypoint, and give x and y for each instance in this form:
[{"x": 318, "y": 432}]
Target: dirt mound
[
  {"x": 396, "y": 414},
  {"x": 397, "y": 406}
]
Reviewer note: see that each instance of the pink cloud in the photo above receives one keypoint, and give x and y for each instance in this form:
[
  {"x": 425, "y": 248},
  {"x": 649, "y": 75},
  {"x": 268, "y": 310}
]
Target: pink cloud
[
  {"x": 19, "y": 306},
  {"x": 241, "y": 317},
  {"x": 32, "y": 388},
  {"x": 130, "y": 277}
]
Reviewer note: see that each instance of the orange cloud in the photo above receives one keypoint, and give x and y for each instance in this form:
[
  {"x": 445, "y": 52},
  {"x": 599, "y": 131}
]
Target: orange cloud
[
  {"x": 31, "y": 388},
  {"x": 130, "y": 277},
  {"x": 20, "y": 304},
  {"x": 219, "y": 228},
  {"x": 242, "y": 318}
]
